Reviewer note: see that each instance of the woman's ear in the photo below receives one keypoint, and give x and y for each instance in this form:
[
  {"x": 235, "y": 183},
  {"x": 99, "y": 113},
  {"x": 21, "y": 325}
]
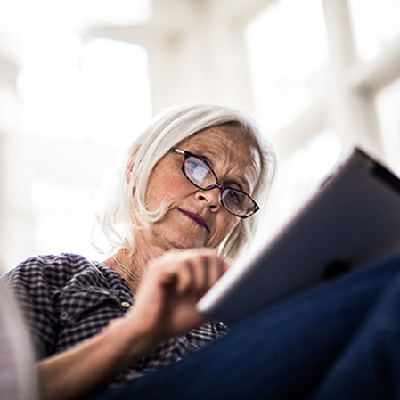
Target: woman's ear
[{"x": 130, "y": 166}]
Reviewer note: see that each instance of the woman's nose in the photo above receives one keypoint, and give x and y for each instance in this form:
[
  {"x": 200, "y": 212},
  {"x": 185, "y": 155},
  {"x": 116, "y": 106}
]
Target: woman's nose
[{"x": 212, "y": 197}]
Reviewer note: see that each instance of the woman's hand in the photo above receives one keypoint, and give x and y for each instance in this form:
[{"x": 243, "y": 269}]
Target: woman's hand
[{"x": 165, "y": 304}]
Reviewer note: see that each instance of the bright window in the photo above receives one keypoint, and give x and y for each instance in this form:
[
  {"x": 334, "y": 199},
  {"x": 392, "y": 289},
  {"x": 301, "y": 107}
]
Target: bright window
[
  {"x": 97, "y": 91},
  {"x": 288, "y": 53},
  {"x": 62, "y": 218},
  {"x": 376, "y": 24}
]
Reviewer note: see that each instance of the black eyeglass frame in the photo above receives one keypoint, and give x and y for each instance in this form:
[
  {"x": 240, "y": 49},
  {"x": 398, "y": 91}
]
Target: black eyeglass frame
[{"x": 186, "y": 155}]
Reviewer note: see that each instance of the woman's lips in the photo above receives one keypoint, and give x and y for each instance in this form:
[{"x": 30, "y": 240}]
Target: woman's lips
[{"x": 196, "y": 218}]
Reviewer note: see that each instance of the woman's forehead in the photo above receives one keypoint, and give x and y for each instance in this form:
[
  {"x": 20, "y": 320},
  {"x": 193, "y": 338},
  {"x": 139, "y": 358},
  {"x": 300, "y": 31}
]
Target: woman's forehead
[{"x": 212, "y": 139}]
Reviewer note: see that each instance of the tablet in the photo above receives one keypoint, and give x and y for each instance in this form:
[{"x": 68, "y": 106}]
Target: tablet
[{"x": 352, "y": 218}]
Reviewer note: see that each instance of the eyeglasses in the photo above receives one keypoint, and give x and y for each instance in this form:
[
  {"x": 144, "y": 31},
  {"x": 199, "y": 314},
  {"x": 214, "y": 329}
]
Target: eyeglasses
[{"x": 200, "y": 174}]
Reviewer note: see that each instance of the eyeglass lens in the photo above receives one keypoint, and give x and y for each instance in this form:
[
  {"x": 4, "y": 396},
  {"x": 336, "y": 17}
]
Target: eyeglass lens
[
  {"x": 201, "y": 175},
  {"x": 199, "y": 172}
]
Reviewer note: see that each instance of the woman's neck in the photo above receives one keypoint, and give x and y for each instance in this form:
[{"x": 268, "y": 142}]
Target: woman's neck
[{"x": 136, "y": 262}]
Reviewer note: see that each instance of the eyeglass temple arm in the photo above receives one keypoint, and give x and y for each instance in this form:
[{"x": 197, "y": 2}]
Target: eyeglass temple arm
[{"x": 177, "y": 150}]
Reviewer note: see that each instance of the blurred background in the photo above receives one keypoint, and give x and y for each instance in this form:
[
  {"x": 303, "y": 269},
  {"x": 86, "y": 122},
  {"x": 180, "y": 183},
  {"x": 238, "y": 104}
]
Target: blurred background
[{"x": 80, "y": 78}]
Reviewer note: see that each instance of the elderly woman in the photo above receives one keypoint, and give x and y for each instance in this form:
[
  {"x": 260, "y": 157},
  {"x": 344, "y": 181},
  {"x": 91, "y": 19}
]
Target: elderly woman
[
  {"x": 178, "y": 203},
  {"x": 182, "y": 200}
]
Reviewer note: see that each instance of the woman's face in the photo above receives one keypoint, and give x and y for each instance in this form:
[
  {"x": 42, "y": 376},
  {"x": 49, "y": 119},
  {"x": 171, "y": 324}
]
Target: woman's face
[{"x": 195, "y": 218}]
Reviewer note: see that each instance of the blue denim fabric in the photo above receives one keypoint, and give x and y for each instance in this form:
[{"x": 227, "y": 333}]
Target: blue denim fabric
[
  {"x": 339, "y": 340},
  {"x": 369, "y": 366}
]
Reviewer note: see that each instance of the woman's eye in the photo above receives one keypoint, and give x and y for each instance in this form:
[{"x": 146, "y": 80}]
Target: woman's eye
[{"x": 235, "y": 196}]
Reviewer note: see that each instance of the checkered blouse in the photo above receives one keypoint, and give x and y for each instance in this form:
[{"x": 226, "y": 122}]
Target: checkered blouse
[{"x": 67, "y": 299}]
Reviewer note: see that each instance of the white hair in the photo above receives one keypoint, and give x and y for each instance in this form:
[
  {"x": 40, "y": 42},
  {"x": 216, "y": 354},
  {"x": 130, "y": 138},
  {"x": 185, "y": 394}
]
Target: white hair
[{"x": 121, "y": 207}]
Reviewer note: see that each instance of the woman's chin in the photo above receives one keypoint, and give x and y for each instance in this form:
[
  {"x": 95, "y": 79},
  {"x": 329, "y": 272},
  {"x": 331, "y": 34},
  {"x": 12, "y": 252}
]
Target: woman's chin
[{"x": 186, "y": 243}]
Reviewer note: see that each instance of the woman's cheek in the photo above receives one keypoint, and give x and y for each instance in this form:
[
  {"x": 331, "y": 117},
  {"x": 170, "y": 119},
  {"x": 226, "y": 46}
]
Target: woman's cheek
[{"x": 225, "y": 226}]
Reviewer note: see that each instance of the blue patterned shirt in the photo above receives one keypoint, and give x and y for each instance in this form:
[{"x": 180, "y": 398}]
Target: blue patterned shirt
[{"x": 68, "y": 298}]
